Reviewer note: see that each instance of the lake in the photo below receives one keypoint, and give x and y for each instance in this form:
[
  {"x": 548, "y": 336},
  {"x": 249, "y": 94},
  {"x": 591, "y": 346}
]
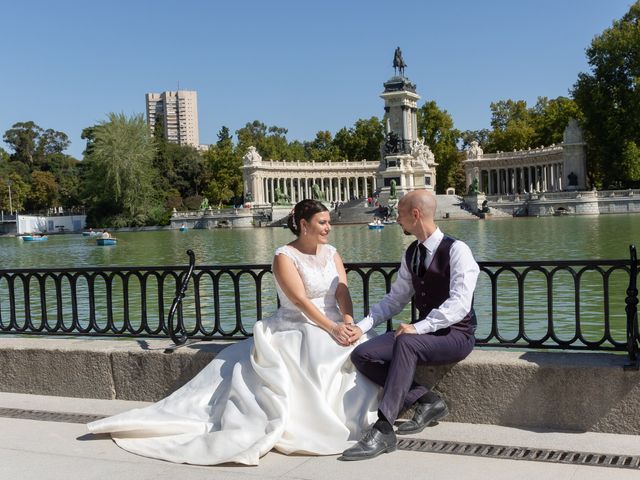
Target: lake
[{"x": 546, "y": 238}]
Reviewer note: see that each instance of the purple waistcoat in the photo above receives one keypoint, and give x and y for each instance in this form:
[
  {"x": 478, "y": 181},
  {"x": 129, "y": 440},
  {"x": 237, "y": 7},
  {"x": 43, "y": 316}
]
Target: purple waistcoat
[{"x": 433, "y": 288}]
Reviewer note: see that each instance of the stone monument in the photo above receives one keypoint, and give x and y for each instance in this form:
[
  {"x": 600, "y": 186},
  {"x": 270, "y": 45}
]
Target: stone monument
[
  {"x": 251, "y": 161},
  {"x": 406, "y": 159},
  {"x": 574, "y": 153}
]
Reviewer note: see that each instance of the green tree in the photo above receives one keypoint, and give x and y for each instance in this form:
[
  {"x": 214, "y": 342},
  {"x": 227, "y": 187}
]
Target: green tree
[
  {"x": 66, "y": 171},
  {"x": 44, "y": 191},
  {"x": 31, "y": 144},
  {"x": 186, "y": 166},
  {"x": 609, "y": 97},
  {"x": 551, "y": 117},
  {"x": 480, "y": 136},
  {"x": 161, "y": 163},
  {"x": 4, "y": 164},
  {"x": 362, "y": 141},
  {"x": 322, "y": 148},
  {"x": 19, "y": 191},
  {"x": 120, "y": 174},
  {"x": 631, "y": 162},
  {"x": 224, "y": 165},
  {"x": 22, "y": 138},
  {"x": 225, "y": 139},
  {"x": 271, "y": 142},
  {"x": 512, "y": 126},
  {"x": 436, "y": 127}
]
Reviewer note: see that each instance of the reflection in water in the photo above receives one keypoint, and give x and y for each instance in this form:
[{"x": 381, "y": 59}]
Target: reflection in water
[{"x": 552, "y": 238}]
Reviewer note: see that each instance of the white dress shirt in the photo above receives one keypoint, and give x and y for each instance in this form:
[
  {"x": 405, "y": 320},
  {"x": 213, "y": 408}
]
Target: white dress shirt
[{"x": 463, "y": 276}]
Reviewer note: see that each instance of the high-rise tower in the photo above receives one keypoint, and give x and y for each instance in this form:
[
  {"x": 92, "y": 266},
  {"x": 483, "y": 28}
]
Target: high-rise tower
[{"x": 179, "y": 111}]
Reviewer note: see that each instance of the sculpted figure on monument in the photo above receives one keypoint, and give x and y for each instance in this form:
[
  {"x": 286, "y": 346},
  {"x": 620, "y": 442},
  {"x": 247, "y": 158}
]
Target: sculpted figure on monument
[
  {"x": 252, "y": 156},
  {"x": 392, "y": 143},
  {"x": 474, "y": 150},
  {"x": 473, "y": 188},
  {"x": 398, "y": 62},
  {"x": 421, "y": 153},
  {"x": 281, "y": 197},
  {"x": 316, "y": 192}
]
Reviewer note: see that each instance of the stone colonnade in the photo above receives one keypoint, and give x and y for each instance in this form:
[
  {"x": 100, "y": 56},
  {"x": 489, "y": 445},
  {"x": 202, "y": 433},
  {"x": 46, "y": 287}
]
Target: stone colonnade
[
  {"x": 512, "y": 180},
  {"x": 337, "y": 181},
  {"x": 509, "y": 173}
]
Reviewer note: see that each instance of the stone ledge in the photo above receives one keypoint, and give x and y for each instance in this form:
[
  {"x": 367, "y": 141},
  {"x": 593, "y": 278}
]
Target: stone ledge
[{"x": 562, "y": 391}]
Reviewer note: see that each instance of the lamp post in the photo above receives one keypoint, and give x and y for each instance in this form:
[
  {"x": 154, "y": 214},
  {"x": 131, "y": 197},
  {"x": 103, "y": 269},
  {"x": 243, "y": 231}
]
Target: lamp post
[{"x": 9, "y": 182}]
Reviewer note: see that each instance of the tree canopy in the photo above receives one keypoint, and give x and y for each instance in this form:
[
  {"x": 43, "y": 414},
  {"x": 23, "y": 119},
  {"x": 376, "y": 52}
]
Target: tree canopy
[
  {"x": 119, "y": 173},
  {"x": 609, "y": 96}
]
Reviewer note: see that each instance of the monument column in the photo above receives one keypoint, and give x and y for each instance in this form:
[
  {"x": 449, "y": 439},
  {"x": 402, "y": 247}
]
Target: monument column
[{"x": 406, "y": 160}]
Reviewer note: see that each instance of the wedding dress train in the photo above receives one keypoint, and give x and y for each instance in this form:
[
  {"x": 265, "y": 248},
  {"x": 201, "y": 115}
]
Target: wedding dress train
[{"x": 290, "y": 387}]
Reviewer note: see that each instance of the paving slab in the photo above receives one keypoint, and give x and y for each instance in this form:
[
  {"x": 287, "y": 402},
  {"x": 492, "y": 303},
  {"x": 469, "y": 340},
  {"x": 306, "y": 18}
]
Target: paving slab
[{"x": 46, "y": 450}]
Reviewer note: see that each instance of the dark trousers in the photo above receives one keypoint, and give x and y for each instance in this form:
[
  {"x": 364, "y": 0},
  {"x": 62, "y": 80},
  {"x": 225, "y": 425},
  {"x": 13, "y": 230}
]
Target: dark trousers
[{"x": 391, "y": 363}]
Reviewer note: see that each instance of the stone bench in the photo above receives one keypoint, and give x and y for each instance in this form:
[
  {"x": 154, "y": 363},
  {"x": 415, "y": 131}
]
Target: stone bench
[{"x": 535, "y": 390}]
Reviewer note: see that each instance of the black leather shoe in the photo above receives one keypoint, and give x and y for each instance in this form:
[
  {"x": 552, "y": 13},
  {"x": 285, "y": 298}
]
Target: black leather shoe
[
  {"x": 425, "y": 414},
  {"x": 372, "y": 444}
]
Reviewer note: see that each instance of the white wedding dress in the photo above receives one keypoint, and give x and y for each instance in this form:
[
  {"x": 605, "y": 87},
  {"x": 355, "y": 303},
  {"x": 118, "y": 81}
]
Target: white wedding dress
[{"x": 291, "y": 387}]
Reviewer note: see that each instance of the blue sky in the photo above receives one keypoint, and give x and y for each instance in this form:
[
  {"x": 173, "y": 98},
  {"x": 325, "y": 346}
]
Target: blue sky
[{"x": 302, "y": 65}]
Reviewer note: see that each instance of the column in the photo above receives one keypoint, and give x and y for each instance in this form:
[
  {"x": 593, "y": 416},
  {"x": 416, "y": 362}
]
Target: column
[
  {"x": 532, "y": 183},
  {"x": 522, "y": 186},
  {"x": 490, "y": 181},
  {"x": 560, "y": 187}
]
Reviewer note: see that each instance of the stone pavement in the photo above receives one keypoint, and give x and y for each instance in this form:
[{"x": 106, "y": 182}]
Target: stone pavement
[{"x": 61, "y": 449}]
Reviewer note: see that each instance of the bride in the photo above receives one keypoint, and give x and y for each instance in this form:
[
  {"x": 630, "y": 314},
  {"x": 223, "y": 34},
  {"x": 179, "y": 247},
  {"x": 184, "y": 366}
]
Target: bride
[{"x": 291, "y": 386}]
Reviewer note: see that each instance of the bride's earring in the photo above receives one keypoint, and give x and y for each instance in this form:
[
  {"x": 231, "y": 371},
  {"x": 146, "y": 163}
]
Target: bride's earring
[{"x": 304, "y": 231}]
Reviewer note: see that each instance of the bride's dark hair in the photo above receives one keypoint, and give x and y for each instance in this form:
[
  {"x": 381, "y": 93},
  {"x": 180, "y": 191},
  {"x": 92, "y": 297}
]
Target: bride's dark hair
[{"x": 304, "y": 209}]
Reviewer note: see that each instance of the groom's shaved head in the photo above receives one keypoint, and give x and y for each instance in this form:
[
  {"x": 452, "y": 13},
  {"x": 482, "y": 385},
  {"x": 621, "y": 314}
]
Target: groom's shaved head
[{"x": 422, "y": 200}]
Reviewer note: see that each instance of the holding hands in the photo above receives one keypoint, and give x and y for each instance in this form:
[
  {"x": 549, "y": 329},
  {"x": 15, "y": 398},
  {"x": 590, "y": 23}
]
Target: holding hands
[{"x": 346, "y": 333}]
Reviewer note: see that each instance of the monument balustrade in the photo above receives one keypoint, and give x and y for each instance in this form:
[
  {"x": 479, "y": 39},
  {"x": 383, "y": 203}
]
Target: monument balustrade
[{"x": 617, "y": 193}]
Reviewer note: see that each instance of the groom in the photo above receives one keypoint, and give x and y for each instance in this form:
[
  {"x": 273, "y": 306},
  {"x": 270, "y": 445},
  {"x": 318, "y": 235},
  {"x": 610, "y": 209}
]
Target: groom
[{"x": 441, "y": 273}]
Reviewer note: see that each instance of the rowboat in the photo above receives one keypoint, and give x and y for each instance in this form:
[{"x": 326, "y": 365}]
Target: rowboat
[
  {"x": 375, "y": 226},
  {"x": 34, "y": 238},
  {"x": 103, "y": 242},
  {"x": 183, "y": 229}
]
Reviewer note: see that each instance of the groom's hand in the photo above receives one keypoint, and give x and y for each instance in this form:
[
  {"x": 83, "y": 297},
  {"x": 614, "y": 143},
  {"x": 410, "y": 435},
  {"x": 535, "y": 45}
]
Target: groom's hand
[
  {"x": 354, "y": 333},
  {"x": 406, "y": 328},
  {"x": 341, "y": 332}
]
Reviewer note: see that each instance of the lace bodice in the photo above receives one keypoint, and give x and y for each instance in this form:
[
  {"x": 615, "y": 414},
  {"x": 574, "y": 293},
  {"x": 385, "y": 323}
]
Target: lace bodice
[{"x": 318, "y": 272}]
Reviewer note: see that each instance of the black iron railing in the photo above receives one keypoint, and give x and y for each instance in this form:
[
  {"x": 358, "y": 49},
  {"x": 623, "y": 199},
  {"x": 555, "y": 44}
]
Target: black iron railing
[{"x": 573, "y": 305}]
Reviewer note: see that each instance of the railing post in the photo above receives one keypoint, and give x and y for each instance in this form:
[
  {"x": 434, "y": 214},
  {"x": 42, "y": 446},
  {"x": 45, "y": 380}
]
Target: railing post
[{"x": 633, "y": 336}]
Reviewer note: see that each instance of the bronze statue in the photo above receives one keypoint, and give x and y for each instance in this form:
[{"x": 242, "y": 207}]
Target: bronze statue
[
  {"x": 392, "y": 143},
  {"x": 398, "y": 62}
]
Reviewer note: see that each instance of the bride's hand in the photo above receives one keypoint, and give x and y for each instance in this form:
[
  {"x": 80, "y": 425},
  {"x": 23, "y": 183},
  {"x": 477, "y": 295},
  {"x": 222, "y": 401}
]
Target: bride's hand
[{"x": 340, "y": 332}]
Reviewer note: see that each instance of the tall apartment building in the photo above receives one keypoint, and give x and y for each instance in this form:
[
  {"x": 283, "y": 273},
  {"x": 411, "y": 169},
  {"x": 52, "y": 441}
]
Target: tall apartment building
[{"x": 180, "y": 112}]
